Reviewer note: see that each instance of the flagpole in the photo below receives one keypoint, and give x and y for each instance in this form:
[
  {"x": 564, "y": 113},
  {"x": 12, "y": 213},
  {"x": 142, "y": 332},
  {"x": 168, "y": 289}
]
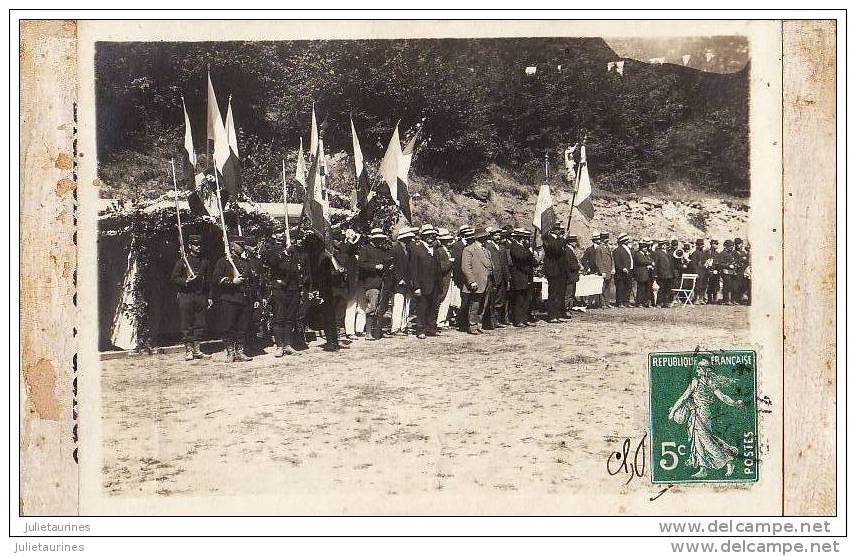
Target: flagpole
[
  {"x": 208, "y": 109},
  {"x": 182, "y": 251},
  {"x": 285, "y": 205},
  {"x": 223, "y": 227},
  {"x": 574, "y": 196}
]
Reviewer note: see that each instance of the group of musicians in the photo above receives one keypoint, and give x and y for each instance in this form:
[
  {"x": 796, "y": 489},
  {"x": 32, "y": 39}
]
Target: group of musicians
[{"x": 430, "y": 280}]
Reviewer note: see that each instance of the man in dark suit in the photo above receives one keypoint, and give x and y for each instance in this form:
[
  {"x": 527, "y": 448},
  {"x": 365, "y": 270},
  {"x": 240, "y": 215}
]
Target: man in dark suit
[
  {"x": 664, "y": 273},
  {"x": 574, "y": 267},
  {"x": 495, "y": 314},
  {"x": 643, "y": 266},
  {"x": 556, "y": 272},
  {"x": 713, "y": 276},
  {"x": 623, "y": 260},
  {"x": 520, "y": 277},
  {"x": 465, "y": 233},
  {"x": 401, "y": 279},
  {"x": 425, "y": 280},
  {"x": 373, "y": 263}
]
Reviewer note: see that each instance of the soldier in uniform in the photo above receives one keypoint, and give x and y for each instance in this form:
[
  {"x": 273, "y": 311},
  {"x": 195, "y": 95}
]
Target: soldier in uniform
[
  {"x": 495, "y": 314},
  {"x": 477, "y": 270},
  {"x": 402, "y": 278},
  {"x": 622, "y": 258},
  {"x": 727, "y": 265},
  {"x": 664, "y": 273},
  {"x": 425, "y": 278},
  {"x": 288, "y": 279},
  {"x": 374, "y": 262},
  {"x": 465, "y": 234},
  {"x": 556, "y": 272},
  {"x": 713, "y": 276},
  {"x": 521, "y": 272},
  {"x": 234, "y": 285},
  {"x": 643, "y": 269},
  {"x": 191, "y": 280},
  {"x": 574, "y": 267},
  {"x": 257, "y": 291}
]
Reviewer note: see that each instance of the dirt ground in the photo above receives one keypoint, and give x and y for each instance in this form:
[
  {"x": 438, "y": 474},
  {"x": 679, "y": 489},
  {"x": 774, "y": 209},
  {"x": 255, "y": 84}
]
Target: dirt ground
[{"x": 521, "y": 410}]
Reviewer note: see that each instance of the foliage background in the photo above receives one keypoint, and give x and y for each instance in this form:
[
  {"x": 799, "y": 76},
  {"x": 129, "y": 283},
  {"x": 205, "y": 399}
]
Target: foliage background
[{"x": 656, "y": 123}]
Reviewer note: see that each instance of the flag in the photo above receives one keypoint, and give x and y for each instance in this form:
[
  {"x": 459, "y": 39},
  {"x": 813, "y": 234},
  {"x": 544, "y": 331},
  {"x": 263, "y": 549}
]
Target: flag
[
  {"x": 544, "y": 214},
  {"x": 359, "y": 170},
  {"x": 213, "y": 113},
  {"x": 315, "y": 207},
  {"x": 403, "y": 188},
  {"x": 189, "y": 155},
  {"x": 232, "y": 168},
  {"x": 582, "y": 200},
  {"x": 300, "y": 170},
  {"x": 313, "y": 135},
  {"x": 202, "y": 198},
  {"x": 389, "y": 164}
]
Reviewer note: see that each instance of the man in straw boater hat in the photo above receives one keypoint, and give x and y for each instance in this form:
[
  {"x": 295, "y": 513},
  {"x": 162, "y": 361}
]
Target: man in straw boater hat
[
  {"x": 465, "y": 234},
  {"x": 447, "y": 288},
  {"x": 374, "y": 262},
  {"x": 402, "y": 278},
  {"x": 190, "y": 276},
  {"x": 288, "y": 279},
  {"x": 556, "y": 272},
  {"x": 425, "y": 280},
  {"x": 521, "y": 272},
  {"x": 622, "y": 257},
  {"x": 477, "y": 271},
  {"x": 234, "y": 281}
]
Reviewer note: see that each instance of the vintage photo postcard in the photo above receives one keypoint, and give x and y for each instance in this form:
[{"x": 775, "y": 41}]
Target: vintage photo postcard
[{"x": 457, "y": 268}]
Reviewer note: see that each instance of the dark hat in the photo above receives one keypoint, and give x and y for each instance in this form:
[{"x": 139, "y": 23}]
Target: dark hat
[
  {"x": 240, "y": 240},
  {"x": 194, "y": 238},
  {"x": 481, "y": 233},
  {"x": 251, "y": 241},
  {"x": 728, "y": 243},
  {"x": 508, "y": 228},
  {"x": 279, "y": 228},
  {"x": 738, "y": 241},
  {"x": 699, "y": 242},
  {"x": 604, "y": 235},
  {"x": 557, "y": 225},
  {"x": 714, "y": 242}
]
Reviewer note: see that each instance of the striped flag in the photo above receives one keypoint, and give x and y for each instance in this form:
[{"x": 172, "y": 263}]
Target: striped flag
[
  {"x": 582, "y": 201},
  {"x": 360, "y": 172},
  {"x": 403, "y": 189},
  {"x": 232, "y": 168},
  {"x": 544, "y": 214},
  {"x": 315, "y": 207},
  {"x": 389, "y": 167},
  {"x": 300, "y": 170}
]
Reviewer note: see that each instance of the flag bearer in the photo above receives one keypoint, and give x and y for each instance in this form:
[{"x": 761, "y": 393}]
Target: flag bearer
[
  {"x": 234, "y": 290},
  {"x": 192, "y": 297}
]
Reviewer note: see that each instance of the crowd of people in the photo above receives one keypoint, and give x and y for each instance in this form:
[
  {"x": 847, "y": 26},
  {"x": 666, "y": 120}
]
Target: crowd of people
[{"x": 429, "y": 281}]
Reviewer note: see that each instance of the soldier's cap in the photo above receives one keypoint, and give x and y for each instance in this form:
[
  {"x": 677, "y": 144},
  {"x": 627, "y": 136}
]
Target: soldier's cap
[
  {"x": 623, "y": 238},
  {"x": 481, "y": 233},
  {"x": 738, "y": 241},
  {"x": 377, "y": 233},
  {"x": 427, "y": 230},
  {"x": 194, "y": 238},
  {"x": 699, "y": 242},
  {"x": 444, "y": 234},
  {"x": 728, "y": 242}
]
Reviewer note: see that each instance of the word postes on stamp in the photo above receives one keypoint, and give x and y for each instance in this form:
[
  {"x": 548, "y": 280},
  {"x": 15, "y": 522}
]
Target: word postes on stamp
[{"x": 703, "y": 417}]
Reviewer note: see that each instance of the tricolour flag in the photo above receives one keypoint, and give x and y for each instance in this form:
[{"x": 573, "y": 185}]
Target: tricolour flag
[
  {"x": 360, "y": 172},
  {"x": 300, "y": 169},
  {"x": 582, "y": 200},
  {"x": 315, "y": 207},
  {"x": 389, "y": 165},
  {"x": 403, "y": 189},
  {"x": 202, "y": 198},
  {"x": 232, "y": 169},
  {"x": 544, "y": 214},
  {"x": 213, "y": 115}
]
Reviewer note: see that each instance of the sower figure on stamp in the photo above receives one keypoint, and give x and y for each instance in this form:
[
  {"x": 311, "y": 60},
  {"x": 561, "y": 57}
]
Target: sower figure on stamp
[
  {"x": 287, "y": 277},
  {"x": 556, "y": 272},
  {"x": 695, "y": 410},
  {"x": 372, "y": 265},
  {"x": 477, "y": 270},
  {"x": 522, "y": 270},
  {"x": 190, "y": 276},
  {"x": 232, "y": 283},
  {"x": 425, "y": 278}
]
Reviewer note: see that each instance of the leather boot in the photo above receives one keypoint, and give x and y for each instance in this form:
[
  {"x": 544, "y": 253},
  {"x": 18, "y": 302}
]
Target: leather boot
[
  {"x": 239, "y": 355},
  {"x": 197, "y": 353},
  {"x": 188, "y": 351}
]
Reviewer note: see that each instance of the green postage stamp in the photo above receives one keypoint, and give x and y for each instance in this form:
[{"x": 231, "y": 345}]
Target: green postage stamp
[{"x": 703, "y": 416}]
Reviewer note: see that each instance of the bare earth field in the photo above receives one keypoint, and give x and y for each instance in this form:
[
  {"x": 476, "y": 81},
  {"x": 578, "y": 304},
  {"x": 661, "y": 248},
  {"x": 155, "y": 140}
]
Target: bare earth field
[{"x": 535, "y": 410}]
